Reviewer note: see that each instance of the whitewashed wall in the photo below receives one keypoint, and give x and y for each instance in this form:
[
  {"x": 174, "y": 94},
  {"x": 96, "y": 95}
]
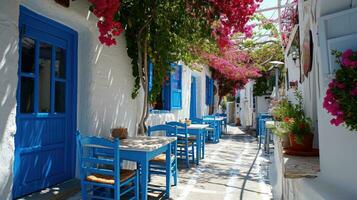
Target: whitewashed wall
[
  {"x": 338, "y": 146},
  {"x": 202, "y": 108},
  {"x": 245, "y": 111},
  {"x": 9, "y": 13},
  {"x": 104, "y": 78}
]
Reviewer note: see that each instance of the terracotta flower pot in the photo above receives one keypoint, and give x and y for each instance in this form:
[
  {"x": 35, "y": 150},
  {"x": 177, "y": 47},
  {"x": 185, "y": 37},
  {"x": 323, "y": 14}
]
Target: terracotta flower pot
[
  {"x": 121, "y": 133},
  {"x": 304, "y": 145}
]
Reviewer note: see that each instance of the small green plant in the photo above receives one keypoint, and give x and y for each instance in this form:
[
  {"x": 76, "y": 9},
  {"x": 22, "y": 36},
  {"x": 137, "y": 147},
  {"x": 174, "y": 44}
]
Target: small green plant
[
  {"x": 224, "y": 104},
  {"x": 293, "y": 117}
]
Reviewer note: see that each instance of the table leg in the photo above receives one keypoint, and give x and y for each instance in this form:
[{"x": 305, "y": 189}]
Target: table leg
[
  {"x": 168, "y": 170},
  {"x": 144, "y": 178},
  {"x": 202, "y": 132},
  {"x": 198, "y": 152}
]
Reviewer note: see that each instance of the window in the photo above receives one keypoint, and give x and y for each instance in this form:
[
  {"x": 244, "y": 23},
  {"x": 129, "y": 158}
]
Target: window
[
  {"x": 42, "y": 77},
  {"x": 170, "y": 97},
  {"x": 209, "y": 91}
]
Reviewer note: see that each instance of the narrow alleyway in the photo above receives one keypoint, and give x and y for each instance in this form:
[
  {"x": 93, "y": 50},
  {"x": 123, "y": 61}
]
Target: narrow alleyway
[{"x": 233, "y": 169}]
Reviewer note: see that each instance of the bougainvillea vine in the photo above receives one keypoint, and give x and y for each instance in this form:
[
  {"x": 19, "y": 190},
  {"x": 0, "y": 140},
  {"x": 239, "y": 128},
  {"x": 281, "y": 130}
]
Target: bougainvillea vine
[
  {"x": 108, "y": 24},
  {"x": 233, "y": 18}
]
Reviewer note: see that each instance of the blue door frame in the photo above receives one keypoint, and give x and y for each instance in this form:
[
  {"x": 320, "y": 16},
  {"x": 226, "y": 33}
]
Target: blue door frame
[
  {"x": 193, "y": 102},
  {"x": 46, "y": 104}
]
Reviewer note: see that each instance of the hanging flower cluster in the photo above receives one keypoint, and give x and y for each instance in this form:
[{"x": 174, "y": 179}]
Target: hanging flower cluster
[
  {"x": 233, "y": 17},
  {"x": 341, "y": 96},
  {"x": 289, "y": 17},
  {"x": 108, "y": 24},
  {"x": 234, "y": 64}
]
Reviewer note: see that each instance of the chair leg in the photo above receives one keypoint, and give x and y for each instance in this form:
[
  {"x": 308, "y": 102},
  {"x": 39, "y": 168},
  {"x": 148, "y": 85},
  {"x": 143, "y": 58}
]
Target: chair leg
[
  {"x": 187, "y": 157},
  {"x": 175, "y": 174},
  {"x": 149, "y": 174},
  {"x": 137, "y": 193},
  {"x": 84, "y": 191},
  {"x": 193, "y": 152}
]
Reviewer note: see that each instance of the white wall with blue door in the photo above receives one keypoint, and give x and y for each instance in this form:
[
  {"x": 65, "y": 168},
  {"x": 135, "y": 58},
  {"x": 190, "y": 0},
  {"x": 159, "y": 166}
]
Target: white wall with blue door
[
  {"x": 104, "y": 78},
  {"x": 159, "y": 117}
]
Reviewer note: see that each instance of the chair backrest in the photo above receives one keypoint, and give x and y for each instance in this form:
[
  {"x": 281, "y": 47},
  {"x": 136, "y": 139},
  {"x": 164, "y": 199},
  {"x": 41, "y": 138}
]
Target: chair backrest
[
  {"x": 221, "y": 114},
  {"x": 196, "y": 121},
  {"x": 181, "y": 128},
  {"x": 209, "y": 116},
  {"x": 92, "y": 159},
  {"x": 170, "y": 131}
]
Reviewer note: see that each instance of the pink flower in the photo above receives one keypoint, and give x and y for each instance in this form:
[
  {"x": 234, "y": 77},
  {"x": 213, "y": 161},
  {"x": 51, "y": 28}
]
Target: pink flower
[
  {"x": 354, "y": 92},
  {"x": 349, "y": 59},
  {"x": 337, "y": 121}
]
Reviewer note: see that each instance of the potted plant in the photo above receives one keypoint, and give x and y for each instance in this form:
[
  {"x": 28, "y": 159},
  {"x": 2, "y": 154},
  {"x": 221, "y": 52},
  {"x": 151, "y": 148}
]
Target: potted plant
[{"x": 300, "y": 134}]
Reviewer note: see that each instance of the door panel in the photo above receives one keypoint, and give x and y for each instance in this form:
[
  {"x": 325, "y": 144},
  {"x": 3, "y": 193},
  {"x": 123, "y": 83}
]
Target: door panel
[{"x": 44, "y": 141}]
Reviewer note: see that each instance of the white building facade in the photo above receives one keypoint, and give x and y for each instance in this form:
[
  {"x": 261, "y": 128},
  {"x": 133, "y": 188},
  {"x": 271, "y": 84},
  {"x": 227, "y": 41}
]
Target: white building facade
[
  {"x": 101, "y": 98},
  {"x": 332, "y": 26}
]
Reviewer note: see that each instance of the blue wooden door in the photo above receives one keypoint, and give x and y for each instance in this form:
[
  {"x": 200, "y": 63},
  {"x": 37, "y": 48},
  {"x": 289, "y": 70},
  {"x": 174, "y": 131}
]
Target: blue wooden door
[
  {"x": 46, "y": 99},
  {"x": 193, "y": 102}
]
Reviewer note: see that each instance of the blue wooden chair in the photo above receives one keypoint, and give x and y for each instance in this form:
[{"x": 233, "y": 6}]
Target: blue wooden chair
[
  {"x": 158, "y": 164},
  {"x": 214, "y": 130},
  {"x": 184, "y": 142},
  {"x": 262, "y": 129},
  {"x": 101, "y": 176},
  {"x": 208, "y": 130},
  {"x": 224, "y": 122}
]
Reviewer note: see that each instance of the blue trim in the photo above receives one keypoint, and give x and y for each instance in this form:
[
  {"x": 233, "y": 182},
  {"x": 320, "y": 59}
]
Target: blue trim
[
  {"x": 42, "y": 29},
  {"x": 176, "y": 93}
]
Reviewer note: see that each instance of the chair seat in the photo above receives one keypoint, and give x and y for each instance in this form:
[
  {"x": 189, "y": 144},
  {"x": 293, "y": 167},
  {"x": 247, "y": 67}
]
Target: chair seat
[
  {"x": 189, "y": 143},
  {"x": 190, "y": 138},
  {"x": 210, "y": 129},
  {"x": 161, "y": 158},
  {"x": 106, "y": 179}
]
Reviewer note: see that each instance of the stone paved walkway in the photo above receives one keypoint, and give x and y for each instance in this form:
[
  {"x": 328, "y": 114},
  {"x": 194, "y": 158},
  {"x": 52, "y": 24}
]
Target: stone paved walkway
[{"x": 233, "y": 169}]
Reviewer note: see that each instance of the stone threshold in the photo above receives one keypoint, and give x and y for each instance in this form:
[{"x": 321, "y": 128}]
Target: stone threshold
[
  {"x": 301, "y": 167},
  {"x": 57, "y": 192},
  {"x": 297, "y": 166}
]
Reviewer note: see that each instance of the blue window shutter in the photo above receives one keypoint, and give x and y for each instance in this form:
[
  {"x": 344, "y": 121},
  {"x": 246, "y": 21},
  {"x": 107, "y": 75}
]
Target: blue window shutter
[
  {"x": 207, "y": 91},
  {"x": 176, "y": 87},
  {"x": 166, "y": 95},
  {"x": 150, "y": 75},
  {"x": 212, "y": 92}
]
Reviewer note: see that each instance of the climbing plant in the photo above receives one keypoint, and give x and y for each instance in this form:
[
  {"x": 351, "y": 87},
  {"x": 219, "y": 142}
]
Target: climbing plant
[{"x": 169, "y": 31}]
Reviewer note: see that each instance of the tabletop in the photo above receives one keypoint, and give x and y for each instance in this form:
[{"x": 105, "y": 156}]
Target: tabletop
[
  {"x": 145, "y": 143},
  {"x": 216, "y": 118}
]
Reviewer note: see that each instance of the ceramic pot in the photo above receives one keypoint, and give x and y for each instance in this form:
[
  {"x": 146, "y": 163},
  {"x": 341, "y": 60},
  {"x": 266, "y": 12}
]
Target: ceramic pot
[
  {"x": 304, "y": 145},
  {"x": 121, "y": 133}
]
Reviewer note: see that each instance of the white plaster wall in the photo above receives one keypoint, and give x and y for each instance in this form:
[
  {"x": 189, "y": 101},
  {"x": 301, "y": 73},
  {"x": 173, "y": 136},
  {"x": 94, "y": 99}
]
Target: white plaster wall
[
  {"x": 294, "y": 75},
  {"x": 202, "y": 108},
  {"x": 262, "y": 104},
  {"x": 9, "y": 14},
  {"x": 246, "y": 105},
  {"x": 104, "y": 78},
  {"x": 338, "y": 177}
]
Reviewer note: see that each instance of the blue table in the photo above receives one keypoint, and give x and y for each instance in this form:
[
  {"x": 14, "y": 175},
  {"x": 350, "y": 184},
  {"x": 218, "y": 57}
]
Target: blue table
[
  {"x": 217, "y": 121},
  {"x": 198, "y": 130},
  {"x": 142, "y": 149}
]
